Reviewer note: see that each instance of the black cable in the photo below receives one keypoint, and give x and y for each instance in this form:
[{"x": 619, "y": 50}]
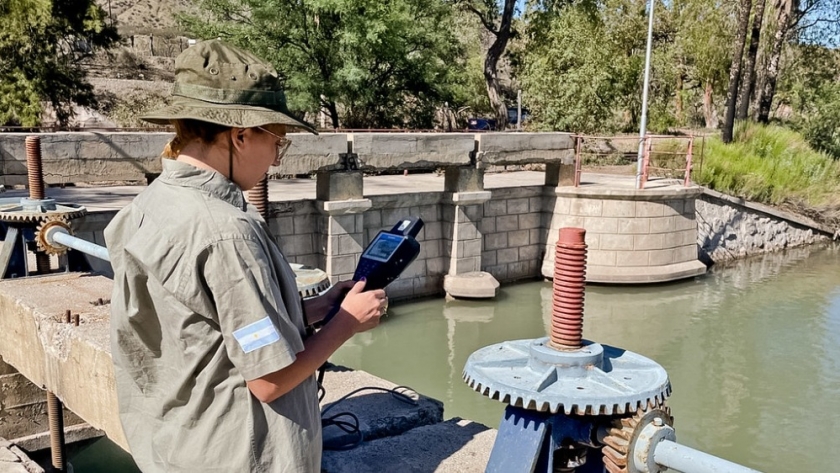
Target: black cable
[{"x": 347, "y": 421}]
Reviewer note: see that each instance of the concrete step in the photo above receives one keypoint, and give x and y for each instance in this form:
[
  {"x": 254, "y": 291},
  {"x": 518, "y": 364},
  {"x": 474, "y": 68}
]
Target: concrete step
[{"x": 380, "y": 413}]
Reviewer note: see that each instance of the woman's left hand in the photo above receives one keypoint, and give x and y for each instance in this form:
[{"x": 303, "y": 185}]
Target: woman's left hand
[{"x": 318, "y": 308}]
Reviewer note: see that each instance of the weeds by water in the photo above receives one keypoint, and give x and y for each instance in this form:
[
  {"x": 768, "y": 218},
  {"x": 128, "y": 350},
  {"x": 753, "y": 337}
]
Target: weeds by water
[{"x": 773, "y": 165}]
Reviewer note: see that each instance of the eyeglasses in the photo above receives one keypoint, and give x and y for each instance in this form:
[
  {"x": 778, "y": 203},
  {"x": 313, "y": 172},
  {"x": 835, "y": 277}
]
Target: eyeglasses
[{"x": 283, "y": 143}]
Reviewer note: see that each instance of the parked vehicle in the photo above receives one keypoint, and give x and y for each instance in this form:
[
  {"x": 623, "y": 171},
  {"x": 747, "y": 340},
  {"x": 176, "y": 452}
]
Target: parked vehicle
[{"x": 489, "y": 124}]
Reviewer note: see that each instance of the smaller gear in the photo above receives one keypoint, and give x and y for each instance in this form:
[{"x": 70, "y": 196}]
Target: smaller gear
[
  {"x": 621, "y": 437},
  {"x": 47, "y": 225}
]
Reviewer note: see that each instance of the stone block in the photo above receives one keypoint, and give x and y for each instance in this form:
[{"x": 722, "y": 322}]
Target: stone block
[
  {"x": 662, "y": 257},
  {"x": 636, "y": 225},
  {"x": 349, "y": 244},
  {"x": 530, "y": 252},
  {"x": 649, "y": 209},
  {"x": 507, "y": 255},
  {"x": 373, "y": 219},
  {"x": 340, "y": 224},
  {"x": 433, "y": 231},
  {"x": 471, "y": 285},
  {"x": 309, "y": 153},
  {"x": 281, "y": 226},
  {"x": 471, "y": 212},
  {"x": 685, "y": 253},
  {"x": 298, "y": 244},
  {"x": 430, "y": 213},
  {"x": 493, "y": 208},
  {"x": 601, "y": 224},
  {"x": 434, "y": 266},
  {"x": 507, "y": 223},
  {"x": 662, "y": 225},
  {"x": 425, "y": 285},
  {"x": 488, "y": 258},
  {"x": 415, "y": 269},
  {"x": 616, "y": 242},
  {"x": 487, "y": 225},
  {"x": 586, "y": 207},
  {"x": 535, "y": 204},
  {"x": 632, "y": 258},
  {"x": 17, "y": 391},
  {"x": 341, "y": 264},
  {"x": 528, "y": 221},
  {"x": 648, "y": 242},
  {"x": 563, "y": 205},
  {"x": 593, "y": 241},
  {"x": 413, "y": 150},
  {"x": 672, "y": 240},
  {"x": 689, "y": 237},
  {"x": 465, "y": 265},
  {"x": 304, "y": 224},
  {"x": 472, "y": 247},
  {"x": 559, "y": 174},
  {"x": 433, "y": 248},
  {"x": 619, "y": 208},
  {"x": 602, "y": 258},
  {"x": 467, "y": 231},
  {"x": 400, "y": 289},
  {"x": 673, "y": 207},
  {"x": 519, "y": 238},
  {"x": 685, "y": 222},
  {"x": 494, "y": 241},
  {"x": 689, "y": 207},
  {"x": 517, "y": 206},
  {"x": 536, "y": 236},
  {"x": 344, "y": 185},
  {"x": 519, "y": 148},
  {"x": 519, "y": 270},
  {"x": 463, "y": 179}
]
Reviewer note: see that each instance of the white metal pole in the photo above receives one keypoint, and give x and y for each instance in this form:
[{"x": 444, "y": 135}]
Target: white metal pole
[
  {"x": 643, "y": 127},
  {"x": 519, "y": 109},
  {"x": 688, "y": 460}
]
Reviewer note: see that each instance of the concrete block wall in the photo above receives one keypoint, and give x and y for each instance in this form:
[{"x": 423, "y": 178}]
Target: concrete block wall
[
  {"x": 294, "y": 226},
  {"x": 634, "y": 236},
  {"x": 513, "y": 233}
]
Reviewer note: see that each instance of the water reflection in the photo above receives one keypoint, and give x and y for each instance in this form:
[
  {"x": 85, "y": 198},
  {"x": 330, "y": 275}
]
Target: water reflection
[{"x": 752, "y": 350}]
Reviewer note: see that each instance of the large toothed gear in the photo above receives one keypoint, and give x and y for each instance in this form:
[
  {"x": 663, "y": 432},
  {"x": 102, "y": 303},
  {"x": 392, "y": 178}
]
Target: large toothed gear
[
  {"x": 629, "y": 440},
  {"x": 593, "y": 380},
  {"x": 31, "y": 212},
  {"x": 47, "y": 225}
]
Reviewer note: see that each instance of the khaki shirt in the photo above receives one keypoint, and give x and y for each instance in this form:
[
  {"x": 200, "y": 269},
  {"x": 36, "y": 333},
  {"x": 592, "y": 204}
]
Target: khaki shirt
[{"x": 203, "y": 300}]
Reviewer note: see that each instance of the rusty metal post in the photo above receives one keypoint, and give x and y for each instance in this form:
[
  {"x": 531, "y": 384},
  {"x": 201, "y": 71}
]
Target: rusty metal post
[
  {"x": 569, "y": 287},
  {"x": 258, "y": 197},
  {"x": 55, "y": 413},
  {"x": 578, "y": 158},
  {"x": 33, "y": 167},
  {"x": 688, "y": 157},
  {"x": 67, "y": 316}
]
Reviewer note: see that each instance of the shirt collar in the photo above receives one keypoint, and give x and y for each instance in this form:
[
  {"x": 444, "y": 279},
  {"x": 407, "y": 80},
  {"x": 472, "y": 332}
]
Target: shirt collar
[{"x": 186, "y": 175}]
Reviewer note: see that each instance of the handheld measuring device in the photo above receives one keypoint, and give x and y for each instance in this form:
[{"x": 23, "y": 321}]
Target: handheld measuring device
[
  {"x": 387, "y": 256},
  {"x": 390, "y": 252}
]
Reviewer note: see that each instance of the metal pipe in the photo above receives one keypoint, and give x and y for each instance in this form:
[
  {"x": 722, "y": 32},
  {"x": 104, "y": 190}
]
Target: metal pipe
[
  {"x": 643, "y": 127},
  {"x": 61, "y": 237},
  {"x": 55, "y": 413},
  {"x": 688, "y": 460}
]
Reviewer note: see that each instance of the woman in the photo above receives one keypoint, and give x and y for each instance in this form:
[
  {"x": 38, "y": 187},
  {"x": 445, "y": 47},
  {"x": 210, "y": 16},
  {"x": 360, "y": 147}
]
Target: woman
[{"x": 214, "y": 372}]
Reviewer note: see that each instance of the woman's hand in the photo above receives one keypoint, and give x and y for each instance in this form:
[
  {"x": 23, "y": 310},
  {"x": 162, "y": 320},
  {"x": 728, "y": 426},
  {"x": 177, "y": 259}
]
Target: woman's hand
[{"x": 363, "y": 309}]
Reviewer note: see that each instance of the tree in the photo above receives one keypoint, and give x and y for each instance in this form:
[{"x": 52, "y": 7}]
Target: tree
[
  {"x": 748, "y": 86},
  {"x": 41, "y": 43},
  {"x": 488, "y": 12},
  {"x": 735, "y": 69},
  {"x": 367, "y": 63}
]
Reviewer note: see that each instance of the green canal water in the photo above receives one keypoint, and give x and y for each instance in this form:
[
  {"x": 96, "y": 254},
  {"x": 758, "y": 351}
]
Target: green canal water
[{"x": 752, "y": 350}]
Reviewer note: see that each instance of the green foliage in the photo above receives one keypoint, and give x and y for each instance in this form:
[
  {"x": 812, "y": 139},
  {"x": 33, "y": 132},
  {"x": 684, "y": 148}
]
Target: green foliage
[
  {"x": 770, "y": 164},
  {"x": 378, "y": 63},
  {"x": 41, "y": 42}
]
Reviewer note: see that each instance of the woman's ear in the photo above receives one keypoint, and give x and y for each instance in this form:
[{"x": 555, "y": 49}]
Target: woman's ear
[{"x": 238, "y": 136}]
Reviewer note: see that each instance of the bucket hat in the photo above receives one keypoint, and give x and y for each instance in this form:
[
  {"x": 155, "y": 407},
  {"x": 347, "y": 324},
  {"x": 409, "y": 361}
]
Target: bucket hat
[{"x": 219, "y": 83}]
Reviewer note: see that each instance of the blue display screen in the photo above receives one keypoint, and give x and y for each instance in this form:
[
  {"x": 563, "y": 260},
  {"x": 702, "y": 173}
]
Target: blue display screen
[{"x": 383, "y": 247}]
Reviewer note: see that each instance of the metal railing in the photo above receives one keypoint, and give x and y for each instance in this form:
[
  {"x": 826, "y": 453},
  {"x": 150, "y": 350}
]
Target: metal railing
[{"x": 663, "y": 155}]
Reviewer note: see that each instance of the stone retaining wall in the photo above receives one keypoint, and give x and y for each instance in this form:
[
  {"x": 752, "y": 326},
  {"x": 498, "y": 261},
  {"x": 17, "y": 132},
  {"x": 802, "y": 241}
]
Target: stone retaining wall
[
  {"x": 729, "y": 228},
  {"x": 514, "y": 234}
]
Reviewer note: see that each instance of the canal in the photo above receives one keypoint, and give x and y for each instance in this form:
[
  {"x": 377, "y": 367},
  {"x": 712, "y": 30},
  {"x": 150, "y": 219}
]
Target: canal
[{"x": 752, "y": 349}]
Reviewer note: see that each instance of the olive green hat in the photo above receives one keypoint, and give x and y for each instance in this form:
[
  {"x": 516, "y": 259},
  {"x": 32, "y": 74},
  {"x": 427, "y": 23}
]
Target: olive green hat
[{"x": 219, "y": 83}]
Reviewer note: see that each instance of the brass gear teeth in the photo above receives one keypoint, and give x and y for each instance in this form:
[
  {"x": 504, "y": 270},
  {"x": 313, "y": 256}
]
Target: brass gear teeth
[
  {"x": 621, "y": 435},
  {"x": 37, "y": 217},
  {"x": 40, "y": 235}
]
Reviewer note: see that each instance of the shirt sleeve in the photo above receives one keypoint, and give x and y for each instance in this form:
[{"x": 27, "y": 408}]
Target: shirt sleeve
[{"x": 258, "y": 334}]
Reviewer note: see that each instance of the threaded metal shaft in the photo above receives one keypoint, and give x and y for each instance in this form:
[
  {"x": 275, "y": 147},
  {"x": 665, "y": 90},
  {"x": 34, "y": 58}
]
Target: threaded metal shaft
[
  {"x": 33, "y": 167},
  {"x": 569, "y": 286},
  {"x": 42, "y": 262},
  {"x": 258, "y": 197},
  {"x": 55, "y": 412}
]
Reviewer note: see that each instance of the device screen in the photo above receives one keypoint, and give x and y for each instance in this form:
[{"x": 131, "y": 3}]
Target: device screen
[{"x": 383, "y": 247}]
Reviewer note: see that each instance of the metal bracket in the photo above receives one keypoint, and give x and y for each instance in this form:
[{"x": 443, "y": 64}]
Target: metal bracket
[{"x": 349, "y": 161}]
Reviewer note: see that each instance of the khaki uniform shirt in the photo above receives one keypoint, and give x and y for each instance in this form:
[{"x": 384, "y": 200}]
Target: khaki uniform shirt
[{"x": 203, "y": 300}]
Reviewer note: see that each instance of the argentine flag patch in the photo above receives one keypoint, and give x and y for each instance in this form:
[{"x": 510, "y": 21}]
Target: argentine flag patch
[{"x": 256, "y": 335}]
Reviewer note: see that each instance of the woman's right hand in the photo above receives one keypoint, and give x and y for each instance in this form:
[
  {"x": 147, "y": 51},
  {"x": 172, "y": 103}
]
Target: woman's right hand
[{"x": 364, "y": 307}]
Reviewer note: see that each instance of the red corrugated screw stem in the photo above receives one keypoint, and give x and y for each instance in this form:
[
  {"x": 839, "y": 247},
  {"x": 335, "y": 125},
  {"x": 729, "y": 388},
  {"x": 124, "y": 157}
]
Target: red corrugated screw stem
[
  {"x": 569, "y": 285},
  {"x": 258, "y": 197}
]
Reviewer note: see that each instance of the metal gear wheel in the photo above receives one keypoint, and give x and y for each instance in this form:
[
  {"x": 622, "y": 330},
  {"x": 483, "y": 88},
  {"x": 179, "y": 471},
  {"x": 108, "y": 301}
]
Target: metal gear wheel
[
  {"x": 623, "y": 433},
  {"x": 593, "y": 380},
  {"x": 22, "y": 214},
  {"x": 41, "y": 234}
]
